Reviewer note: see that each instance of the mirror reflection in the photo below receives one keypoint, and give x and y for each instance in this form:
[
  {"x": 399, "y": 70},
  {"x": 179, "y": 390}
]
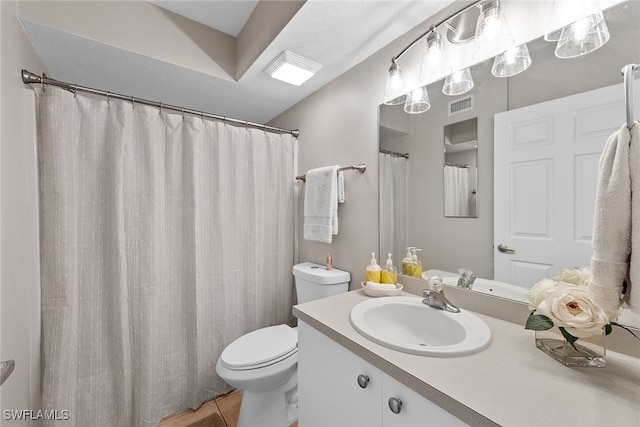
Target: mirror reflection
[
  {"x": 413, "y": 195},
  {"x": 460, "y": 166}
]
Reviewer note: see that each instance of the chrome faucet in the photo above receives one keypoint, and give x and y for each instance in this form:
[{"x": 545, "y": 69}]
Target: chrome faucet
[
  {"x": 434, "y": 296},
  {"x": 466, "y": 278}
]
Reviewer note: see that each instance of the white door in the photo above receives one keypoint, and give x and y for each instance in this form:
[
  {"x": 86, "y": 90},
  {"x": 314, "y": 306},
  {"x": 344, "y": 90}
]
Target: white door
[{"x": 546, "y": 161}]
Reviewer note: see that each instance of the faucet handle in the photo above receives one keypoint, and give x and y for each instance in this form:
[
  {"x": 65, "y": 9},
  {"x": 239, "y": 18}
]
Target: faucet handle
[{"x": 435, "y": 284}]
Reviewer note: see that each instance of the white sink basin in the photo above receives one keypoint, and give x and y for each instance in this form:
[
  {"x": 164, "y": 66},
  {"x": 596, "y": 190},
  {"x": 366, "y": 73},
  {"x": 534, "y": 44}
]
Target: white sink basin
[
  {"x": 407, "y": 325},
  {"x": 492, "y": 287}
]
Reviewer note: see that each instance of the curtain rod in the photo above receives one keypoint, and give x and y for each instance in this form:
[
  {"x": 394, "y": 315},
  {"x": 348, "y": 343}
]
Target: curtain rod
[
  {"x": 394, "y": 153},
  {"x": 31, "y": 78}
]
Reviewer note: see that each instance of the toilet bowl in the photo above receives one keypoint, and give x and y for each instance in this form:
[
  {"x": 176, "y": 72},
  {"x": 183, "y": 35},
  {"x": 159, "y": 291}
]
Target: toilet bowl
[{"x": 263, "y": 364}]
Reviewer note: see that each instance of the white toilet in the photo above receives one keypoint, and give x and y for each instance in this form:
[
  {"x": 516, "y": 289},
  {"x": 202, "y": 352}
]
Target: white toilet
[{"x": 263, "y": 364}]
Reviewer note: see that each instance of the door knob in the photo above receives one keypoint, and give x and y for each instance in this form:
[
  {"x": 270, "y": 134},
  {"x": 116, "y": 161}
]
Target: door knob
[
  {"x": 363, "y": 381},
  {"x": 506, "y": 249},
  {"x": 395, "y": 405}
]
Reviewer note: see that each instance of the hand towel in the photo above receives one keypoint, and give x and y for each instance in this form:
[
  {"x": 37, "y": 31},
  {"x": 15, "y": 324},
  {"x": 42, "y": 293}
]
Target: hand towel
[
  {"x": 632, "y": 293},
  {"x": 340, "y": 187},
  {"x": 612, "y": 223},
  {"x": 321, "y": 204}
]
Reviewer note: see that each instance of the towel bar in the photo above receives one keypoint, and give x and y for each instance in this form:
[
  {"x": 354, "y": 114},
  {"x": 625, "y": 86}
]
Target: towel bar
[{"x": 360, "y": 167}]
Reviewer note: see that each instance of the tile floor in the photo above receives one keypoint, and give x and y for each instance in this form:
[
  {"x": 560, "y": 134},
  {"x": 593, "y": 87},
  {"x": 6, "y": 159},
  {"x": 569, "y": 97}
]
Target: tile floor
[{"x": 227, "y": 406}]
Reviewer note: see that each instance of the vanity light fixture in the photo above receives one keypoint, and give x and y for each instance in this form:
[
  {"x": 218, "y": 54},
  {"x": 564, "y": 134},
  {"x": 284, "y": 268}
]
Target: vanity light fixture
[
  {"x": 566, "y": 12},
  {"x": 583, "y": 36},
  {"x": 578, "y": 26},
  {"x": 435, "y": 63},
  {"x": 417, "y": 101},
  {"x": 292, "y": 68},
  {"x": 511, "y": 62},
  {"x": 458, "y": 83},
  {"x": 394, "y": 91},
  {"x": 493, "y": 34}
]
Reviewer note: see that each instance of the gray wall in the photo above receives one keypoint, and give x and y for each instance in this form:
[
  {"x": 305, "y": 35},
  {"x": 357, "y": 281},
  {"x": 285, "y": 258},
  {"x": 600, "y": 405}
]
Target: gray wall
[{"x": 19, "y": 281}]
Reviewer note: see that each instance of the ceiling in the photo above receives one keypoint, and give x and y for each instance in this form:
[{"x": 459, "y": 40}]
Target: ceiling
[
  {"x": 224, "y": 15},
  {"x": 338, "y": 34}
]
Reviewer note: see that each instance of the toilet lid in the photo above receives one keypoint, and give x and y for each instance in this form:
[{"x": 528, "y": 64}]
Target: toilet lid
[{"x": 260, "y": 348}]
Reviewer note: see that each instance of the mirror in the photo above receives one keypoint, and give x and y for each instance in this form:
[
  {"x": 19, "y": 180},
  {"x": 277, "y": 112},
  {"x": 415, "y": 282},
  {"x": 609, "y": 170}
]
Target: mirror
[
  {"x": 460, "y": 169},
  {"x": 417, "y": 195}
]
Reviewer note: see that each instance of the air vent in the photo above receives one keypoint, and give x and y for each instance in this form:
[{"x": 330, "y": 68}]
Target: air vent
[{"x": 461, "y": 105}]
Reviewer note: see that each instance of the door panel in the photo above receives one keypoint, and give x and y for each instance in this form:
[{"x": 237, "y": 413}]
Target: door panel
[{"x": 546, "y": 163}]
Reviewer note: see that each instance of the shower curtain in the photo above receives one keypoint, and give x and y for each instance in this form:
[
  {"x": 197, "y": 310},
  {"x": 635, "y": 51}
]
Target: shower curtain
[
  {"x": 456, "y": 191},
  {"x": 394, "y": 183},
  {"x": 163, "y": 238}
]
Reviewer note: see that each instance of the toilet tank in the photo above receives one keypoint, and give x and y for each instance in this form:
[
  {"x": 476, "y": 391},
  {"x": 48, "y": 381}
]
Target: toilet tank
[{"x": 314, "y": 281}]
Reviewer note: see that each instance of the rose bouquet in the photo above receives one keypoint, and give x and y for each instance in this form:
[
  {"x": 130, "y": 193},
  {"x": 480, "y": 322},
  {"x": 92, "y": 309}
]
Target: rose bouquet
[{"x": 564, "y": 301}]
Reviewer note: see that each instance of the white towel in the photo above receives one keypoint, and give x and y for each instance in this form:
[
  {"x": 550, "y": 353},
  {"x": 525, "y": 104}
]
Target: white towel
[
  {"x": 612, "y": 222},
  {"x": 341, "y": 187},
  {"x": 631, "y": 297},
  {"x": 321, "y": 204}
]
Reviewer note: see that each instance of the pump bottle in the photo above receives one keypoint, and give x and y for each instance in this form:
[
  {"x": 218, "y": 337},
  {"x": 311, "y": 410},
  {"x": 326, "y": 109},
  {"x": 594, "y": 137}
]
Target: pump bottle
[
  {"x": 373, "y": 270},
  {"x": 406, "y": 262},
  {"x": 416, "y": 264},
  {"x": 389, "y": 272}
]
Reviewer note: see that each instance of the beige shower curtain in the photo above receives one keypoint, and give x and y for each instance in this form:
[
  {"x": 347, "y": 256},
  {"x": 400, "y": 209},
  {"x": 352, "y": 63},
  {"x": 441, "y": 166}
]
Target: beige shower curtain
[{"x": 163, "y": 238}]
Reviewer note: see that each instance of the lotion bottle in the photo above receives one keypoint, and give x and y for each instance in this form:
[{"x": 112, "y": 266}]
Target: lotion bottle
[
  {"x": 373, "y": 270},
  {"x": 407, "y": 262},
  {"x": 389, "y": 272},
  {"x": 416, "y": 264}
]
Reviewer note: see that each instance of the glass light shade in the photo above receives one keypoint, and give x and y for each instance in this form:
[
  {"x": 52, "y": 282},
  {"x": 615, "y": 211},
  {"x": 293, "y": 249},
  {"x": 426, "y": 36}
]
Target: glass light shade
[
  {"x": 435, "y": 64},
  {"x": 417, "y": 101},
  {"x": 394, "y": 94},
  {"x": 493, "y": 34},
  {"x": 583, "y": 36},
  {"x": 566, "y": 12},
  {"x": 458, "y": 83},
  {"x": 511, "y": 62}
]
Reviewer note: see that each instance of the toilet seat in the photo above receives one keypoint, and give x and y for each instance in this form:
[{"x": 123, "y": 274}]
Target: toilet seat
[{"x": 260, "y": 348}]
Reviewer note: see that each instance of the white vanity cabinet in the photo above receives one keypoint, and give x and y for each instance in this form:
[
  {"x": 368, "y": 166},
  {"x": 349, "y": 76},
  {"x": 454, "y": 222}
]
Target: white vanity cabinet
[{"x": 338, "y": 388}]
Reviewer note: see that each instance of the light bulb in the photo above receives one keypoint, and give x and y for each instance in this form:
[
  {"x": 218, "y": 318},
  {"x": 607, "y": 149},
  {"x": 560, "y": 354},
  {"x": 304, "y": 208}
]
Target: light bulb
[
  {"x": 393, "y": 94},
  {"x": 511, "y": 62}
]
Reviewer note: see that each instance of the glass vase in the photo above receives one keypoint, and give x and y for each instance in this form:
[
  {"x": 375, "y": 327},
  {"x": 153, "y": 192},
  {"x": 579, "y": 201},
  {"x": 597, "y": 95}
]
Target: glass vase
[{"x": 586, "y": 352}]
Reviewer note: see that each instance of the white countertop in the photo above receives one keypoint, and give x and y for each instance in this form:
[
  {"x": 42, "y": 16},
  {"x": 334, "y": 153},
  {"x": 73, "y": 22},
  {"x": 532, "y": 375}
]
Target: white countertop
[{"x": 511, "y": 383}]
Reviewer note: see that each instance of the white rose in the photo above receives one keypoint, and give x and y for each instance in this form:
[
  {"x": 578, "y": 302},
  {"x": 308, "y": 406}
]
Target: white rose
[
  {"x": 571, "y": 307},
  {"x": 578, "y": 277},
  {"x": 536, "y": 294}
]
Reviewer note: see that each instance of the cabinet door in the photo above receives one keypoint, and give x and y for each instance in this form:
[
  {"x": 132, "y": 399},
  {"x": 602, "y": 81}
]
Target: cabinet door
[
  {"x": 415, "y": 409},
  {"x": 328, "y": 389}
]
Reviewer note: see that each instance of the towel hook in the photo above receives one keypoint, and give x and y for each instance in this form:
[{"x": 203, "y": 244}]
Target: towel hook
[{"x": 628, "y": 72}]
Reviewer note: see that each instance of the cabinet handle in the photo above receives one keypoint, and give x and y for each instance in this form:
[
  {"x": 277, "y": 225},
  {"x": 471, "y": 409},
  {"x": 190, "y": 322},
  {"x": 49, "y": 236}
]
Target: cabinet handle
[
  {"x": 363, "y": 381},
  {"x": 395, "y": 405}
]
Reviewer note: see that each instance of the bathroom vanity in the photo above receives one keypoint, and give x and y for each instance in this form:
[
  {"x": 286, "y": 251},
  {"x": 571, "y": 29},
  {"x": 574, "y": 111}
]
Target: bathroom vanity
[{"x": 509, "y": 383}]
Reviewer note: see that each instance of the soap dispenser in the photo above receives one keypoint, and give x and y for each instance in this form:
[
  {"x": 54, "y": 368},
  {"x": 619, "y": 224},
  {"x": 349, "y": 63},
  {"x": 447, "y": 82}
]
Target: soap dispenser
[
  {"x": 389, "y": 272},
  {"x": 416, "y": 264},
  {"x": 373, "y": 270},
  {"x": 407, "y": 262}
]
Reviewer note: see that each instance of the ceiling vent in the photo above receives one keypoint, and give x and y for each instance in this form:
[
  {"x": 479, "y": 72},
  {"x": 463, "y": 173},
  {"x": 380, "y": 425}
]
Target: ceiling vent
[{"x": 461, "y": 105}]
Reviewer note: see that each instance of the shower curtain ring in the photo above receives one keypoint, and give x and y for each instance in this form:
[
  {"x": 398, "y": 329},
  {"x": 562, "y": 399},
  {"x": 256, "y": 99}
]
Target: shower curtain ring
[
  {"x": 133, "y": 102},
  {"x": 182, "y": 109},
  {"x": 202, "y": 115},
  {"x": 75, "y": 91},
  {"x": 108, "y": 97},
  {"x": 160, "y": 109}
]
